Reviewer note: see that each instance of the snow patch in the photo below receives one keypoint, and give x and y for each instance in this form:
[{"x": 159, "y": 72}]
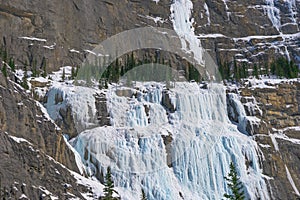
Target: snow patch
[
  {"x": 291, "y": 181},
  {"x": 34, "y": 39},
  {"x": 19, "y": 140}
]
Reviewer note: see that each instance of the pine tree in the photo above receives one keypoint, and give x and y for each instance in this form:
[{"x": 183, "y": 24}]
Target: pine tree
[
  {"x": 63, "y": 77},
  {"x": 143, "y": 197},
  {"x": 244, "y": 70},
  {"x": 267, "y": 69},
  {"x": 255, "y": 71},
  {"x": 44, "y": 67},
  {"x": 73, "y": 72},
  {"x": 234, "y": 185},
  {"x": 236, "y": 71},
  {"x": 11, "y": 63},
  {"x": 4, "y": 55},
  {"x": 227, "y": 71},
  {"x": 221, "y": 70},
  {"x": 34, "y": 70},
  {"x": 4, "y": 69},
  {"x": 109, "y": 186}
]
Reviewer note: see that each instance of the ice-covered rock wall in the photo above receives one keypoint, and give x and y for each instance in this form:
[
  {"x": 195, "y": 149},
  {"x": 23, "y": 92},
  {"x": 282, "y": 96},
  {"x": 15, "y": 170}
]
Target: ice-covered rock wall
[
  {"x": 179, "y": 155},
  {"x": 66, "y": 101},
  {"x": 237, "y": 114}
]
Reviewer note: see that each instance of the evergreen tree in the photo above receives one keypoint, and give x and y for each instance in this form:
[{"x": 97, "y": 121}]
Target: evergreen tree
[
  {"x": 255, "y": 71},
  {"x": 244, "y": 70},
  {"x": 234, "y": 185},
  {"x": 284, "y": 68},
  {"x": 11, "y": 63},
  {"x": 116, "y": 71},
  {"x": 221, "y": 70},
  {"x": 4, "y": 55},
  {"x": 63, "y": 76},
  {"x": 4, "y": 69},
  {"x": 34, "y": 70},
  {"x": 267, "y": 69},
  {"x": 122, "y": 71},
  {"x": 294, "y": 69},
  {"x": 73, "y": 72},
  {"x": 236, "y": 73},
  {"x": 273, "y": 68},
  {"x": 143, "y": 197},
  {"x": 109, "y": 186},
  {"x": 226, "y": 70},
  {"x": 193, "y": 73},
  {"x": 44, "y": 67},
  {"x": 24, "y": 79}
]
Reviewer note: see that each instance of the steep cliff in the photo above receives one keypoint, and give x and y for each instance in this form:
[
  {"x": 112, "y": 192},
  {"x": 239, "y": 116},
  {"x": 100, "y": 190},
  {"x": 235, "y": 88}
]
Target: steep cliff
[
  {"x": 35, "y": 158},
  {"x": 61, "y": 32},
  {"x": 276, "y": 106},
  {"x": 174, "y": 143}
]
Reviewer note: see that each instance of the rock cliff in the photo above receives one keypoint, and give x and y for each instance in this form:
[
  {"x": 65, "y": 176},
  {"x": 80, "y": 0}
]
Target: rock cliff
[
  {"x": 60, "y": 33},
  {"x": 35, "y": 159},
  {"x": 276, "y": 105}
]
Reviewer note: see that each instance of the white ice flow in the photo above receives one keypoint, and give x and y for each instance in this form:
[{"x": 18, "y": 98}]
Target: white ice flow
[
  {"x": 183, "y": 24},
  {"x": 185, "y": 154},
  {"x": 179, "y": 153},
  {"x": 61, "y": 97}
]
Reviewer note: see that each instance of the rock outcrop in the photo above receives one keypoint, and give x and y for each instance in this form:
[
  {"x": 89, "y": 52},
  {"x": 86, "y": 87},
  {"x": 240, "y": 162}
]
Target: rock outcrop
[
  {"x": 34, "y": 155},
  {"x": 23, "y": 117},
  {"x": 29, "y": 173},
  {"x": 60, "y": 33},
  {"x": 277, "y": 133}
]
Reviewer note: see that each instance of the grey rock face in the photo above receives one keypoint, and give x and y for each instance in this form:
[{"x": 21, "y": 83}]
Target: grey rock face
[
  {"x": 275, "y": 134},
  {"x": 35, "y": 160},
  {"x": 26, "y": 171},
  {"x": 69, "y": 28},
  {"x": 247, "y": 30},
  {"x": 63, "y": 26},
  {"x": 21, "y": 116},
  {"x": 102, "y": 111}
]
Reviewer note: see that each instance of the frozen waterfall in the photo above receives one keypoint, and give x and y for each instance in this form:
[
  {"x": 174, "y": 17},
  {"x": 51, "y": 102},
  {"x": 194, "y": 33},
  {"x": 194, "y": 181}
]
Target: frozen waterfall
[{"x": 179, "y": 155}]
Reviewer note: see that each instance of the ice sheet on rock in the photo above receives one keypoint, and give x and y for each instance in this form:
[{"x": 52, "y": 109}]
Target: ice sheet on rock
[
  {"x": 81, "y": 100},
  {"x": 132, "y": 112},
  {"x": 80, "y": 165},
  {"x": 207, "y": 13},
  {"x": 181, "y": 16},
  {"x": 273, "y": 13},
  {"x": 236, "y": 111},
  {"x": 291, "y": 181},
  {"x": 191, "y": 155},
  {"x": 92, "y": 183},
  {"x": 227, "y": 9}
]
